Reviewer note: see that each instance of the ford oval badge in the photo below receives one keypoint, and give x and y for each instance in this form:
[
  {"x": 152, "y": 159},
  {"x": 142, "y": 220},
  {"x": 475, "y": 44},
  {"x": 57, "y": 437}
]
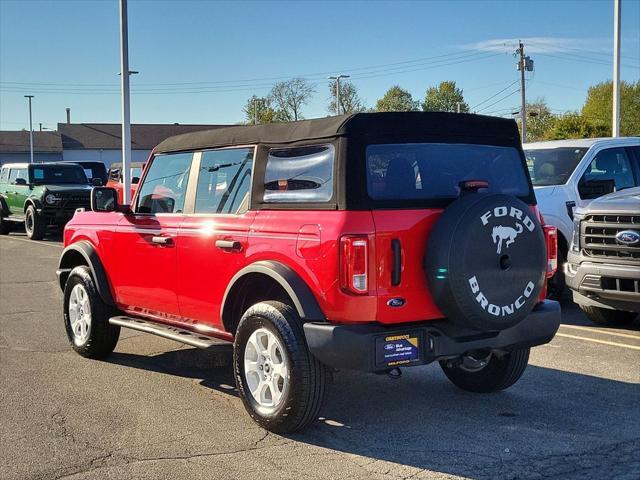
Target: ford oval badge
[
  {"x": 396, "y": 302},
  {"x": 628, "y": 237}
]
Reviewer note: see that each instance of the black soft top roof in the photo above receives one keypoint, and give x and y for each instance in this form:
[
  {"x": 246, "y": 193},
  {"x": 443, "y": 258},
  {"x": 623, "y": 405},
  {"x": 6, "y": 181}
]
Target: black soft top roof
[{"x": 379, "y": 126}]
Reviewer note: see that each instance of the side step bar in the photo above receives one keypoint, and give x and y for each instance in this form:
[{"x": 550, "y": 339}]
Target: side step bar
[{"x": 181, "y": 335}]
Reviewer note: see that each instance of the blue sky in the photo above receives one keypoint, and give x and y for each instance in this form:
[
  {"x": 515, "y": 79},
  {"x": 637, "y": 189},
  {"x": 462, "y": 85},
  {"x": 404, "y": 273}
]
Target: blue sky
[{"x": 199, "y": 61}]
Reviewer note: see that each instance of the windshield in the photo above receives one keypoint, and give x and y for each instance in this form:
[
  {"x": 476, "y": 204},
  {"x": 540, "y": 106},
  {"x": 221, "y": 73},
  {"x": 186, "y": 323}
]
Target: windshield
[
  {"x": 552, "y": 166},
  {"x": 57, "y": 174},
  {"x": 424, "y": 171}
]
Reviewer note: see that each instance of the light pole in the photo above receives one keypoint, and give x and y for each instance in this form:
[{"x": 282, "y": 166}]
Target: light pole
[
  {"x": 126, "y": 116},
  {"x": 615, "y": 126},
  {"x": 255, "y": 110},
  {"x": 337, "y": 79},
  {"x": 30, "y": 127}
]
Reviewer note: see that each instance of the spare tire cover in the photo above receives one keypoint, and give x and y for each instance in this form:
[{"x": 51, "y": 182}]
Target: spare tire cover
[{"x": 486, "y": 261}]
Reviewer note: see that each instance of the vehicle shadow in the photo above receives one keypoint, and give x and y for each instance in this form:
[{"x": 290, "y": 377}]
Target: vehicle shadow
[{"x": 552, "y": 423}]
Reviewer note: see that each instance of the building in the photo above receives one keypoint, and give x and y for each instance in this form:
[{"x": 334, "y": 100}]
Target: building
[
  {"x": 89, "y": 141},
  {"x": 15, "y": 147}
]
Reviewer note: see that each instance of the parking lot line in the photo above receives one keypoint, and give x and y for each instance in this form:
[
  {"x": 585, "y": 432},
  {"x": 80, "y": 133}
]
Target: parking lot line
[
  {"x": 614, "y": 344},
  {"x": 603, "y": 331},
  {"x": 32, "y": 242}
]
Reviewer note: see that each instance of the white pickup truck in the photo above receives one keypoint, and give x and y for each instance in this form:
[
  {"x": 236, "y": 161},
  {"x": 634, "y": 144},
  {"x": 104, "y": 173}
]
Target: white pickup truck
[{"x": 570, "y": 173}]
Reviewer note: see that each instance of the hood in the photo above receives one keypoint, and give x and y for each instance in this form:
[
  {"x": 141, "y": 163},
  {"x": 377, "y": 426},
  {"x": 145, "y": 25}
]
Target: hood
[
  {"x": 68, "y": 188},
  {"x": 624, "y": 201}
]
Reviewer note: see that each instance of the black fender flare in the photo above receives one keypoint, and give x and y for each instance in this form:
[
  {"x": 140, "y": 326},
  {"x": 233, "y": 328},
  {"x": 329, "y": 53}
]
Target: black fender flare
[
  {"x": 91, "y": 258},
  {"x": 303, "y": 299},
  {"x": 31, "y": 201},
  {"x": 4, "y": 208}
]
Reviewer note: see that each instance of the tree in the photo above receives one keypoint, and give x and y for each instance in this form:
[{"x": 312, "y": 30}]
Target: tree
[
  {"x": 259, "y": 110},
  {"x": 575, "y": 125},
  {"x": 396, "y": 100},
  {"x": 350, "y": 101},
  {"x": 598, "y": 107},
  {"x": 444, "y": 98},
  {"x": 289, "y": 97},
  {"x": 540, "y": 121}
]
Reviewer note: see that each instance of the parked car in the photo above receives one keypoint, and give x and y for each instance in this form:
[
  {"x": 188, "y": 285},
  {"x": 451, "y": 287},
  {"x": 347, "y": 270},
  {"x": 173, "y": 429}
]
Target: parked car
[
  {"x": 96, "y": 172},
  {"x": 570, "y": 173},
  {"x": 367, "y": 242},
  {"x": 115, "y": 178},
  {"x": 603, "y": 265},
  {"x": 41, "y": 194}
]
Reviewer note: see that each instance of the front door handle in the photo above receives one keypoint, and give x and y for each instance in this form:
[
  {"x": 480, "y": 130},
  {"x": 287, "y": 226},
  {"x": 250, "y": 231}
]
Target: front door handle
[
  {"x": 164, "y": 241},
  {"x": 232, "y": 245}
]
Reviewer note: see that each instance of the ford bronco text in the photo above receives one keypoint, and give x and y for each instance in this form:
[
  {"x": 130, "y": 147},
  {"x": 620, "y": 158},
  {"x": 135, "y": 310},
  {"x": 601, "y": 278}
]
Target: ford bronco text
[{"x": 368, "y": 242}]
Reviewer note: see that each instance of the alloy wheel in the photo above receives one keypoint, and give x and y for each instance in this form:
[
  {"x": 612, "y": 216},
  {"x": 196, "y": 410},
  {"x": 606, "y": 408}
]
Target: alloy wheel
[{"x": 266, "y": 368}]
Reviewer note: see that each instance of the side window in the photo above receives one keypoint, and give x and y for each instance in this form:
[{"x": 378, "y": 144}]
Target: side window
[
  {"x": 302, "y": 174},
  {"x": 224, "y": 180},
  {"x": 17, "y": 173},
  {"x": 4, "y": 175},
  {"x": 611, "y": 165},
  {"x": 165, "y": 186}
]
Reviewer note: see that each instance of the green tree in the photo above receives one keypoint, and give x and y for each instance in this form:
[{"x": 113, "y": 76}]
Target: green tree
[
  {"x": 350, "y": 101},
  {"x": 396, "y": 100},
  {"x": 289, "y": 97},
  {"x": 444, "y": 98},
  {"x": 259, "y": 110},
  {"x": 598, "y": 107},
  {"x": 540, "y": 121},
  {"x": 575, "y": 125}
]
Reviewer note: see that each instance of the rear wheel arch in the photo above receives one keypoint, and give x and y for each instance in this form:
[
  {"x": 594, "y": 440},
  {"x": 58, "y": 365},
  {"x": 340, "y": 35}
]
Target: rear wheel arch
[
  {"x": 262, "y": 281},
  {"x": 83, "y": 253}
]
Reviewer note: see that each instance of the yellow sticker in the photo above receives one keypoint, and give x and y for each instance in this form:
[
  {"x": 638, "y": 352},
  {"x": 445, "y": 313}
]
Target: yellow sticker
[
  {"x": 413, "y": 341},
  {"x": 397, "y": 337}
]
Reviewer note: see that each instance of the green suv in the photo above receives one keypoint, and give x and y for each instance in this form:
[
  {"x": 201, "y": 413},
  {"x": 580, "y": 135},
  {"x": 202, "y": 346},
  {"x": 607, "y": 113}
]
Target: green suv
[{"x": 41, "y": 194}]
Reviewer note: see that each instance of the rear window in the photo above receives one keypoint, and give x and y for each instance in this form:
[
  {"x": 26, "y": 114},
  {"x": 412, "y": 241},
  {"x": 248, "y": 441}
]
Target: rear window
[
  {"x": 429, "y": 171},
  {"x": 552, "y": 166}
]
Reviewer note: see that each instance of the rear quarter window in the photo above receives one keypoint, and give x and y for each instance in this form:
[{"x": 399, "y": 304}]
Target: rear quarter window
[
  {"x": 299, "y": 175},
  {"x": 432, "y": 171}
]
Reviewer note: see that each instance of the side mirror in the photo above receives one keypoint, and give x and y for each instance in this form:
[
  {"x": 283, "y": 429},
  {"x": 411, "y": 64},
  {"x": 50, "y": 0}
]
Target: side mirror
[
  {"x": 135, "y": 180},
  {"x": 20, "y": 181},
  {"x": 104, "y": 199},
  {"x": 590, "y": 189},
  {"x": 96, "y": 182}
]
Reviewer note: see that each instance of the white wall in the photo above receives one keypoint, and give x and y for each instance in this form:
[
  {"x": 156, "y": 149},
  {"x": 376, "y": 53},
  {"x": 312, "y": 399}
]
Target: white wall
[{"x": 106, "y": 156}]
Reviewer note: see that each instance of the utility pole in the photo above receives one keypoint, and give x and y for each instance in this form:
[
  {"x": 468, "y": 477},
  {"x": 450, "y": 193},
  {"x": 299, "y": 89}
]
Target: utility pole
[
  {"x": 615, "y": 125},
  {"x": 126, "y": 116},
  {"x": 524, "y": 64},
  {"x": 30, "y": 128},
  {"x": 255, "y": 110},
  {"x": 337, "y": 79}
]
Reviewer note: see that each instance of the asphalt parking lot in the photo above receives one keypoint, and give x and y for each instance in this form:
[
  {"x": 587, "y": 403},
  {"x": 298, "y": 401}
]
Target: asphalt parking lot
[{"x": 159, "y": 410}]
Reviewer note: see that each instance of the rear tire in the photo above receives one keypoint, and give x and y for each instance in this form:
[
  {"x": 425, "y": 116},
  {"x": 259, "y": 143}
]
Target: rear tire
[
  {"x": 607, "y": 317},
  {"x": 5, "y": 226},
  {"x": 499, "y": 374},
  {"x": 86, "y": 317},
  {"x": 34, "y": 224},
  {"x": 269, "y": 341}
]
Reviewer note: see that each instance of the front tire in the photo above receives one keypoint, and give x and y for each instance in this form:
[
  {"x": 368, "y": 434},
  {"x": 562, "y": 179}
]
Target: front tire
[
  {"x": 281, "y": 384},
  {"x": 5, "y": 225},
  {"x": 498, "y": 374},
  {"x": 34, "y": 224},
  {"x": 607, "y": 317},
  {"x": 86, "y": 317}
]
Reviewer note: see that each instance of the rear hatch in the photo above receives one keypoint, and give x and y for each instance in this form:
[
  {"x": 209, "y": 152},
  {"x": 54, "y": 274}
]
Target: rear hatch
[{"x": 410, "y": 185}]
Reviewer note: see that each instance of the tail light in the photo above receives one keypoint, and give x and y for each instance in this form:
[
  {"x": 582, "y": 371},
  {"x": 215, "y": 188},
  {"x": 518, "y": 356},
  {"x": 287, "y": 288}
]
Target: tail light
[
  {"x": 354, "y": 259},
  {"x": 551, "y": 238}
]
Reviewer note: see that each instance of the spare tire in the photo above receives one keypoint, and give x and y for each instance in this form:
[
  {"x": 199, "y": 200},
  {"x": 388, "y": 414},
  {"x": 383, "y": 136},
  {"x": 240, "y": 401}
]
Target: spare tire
[{"x": 486, "y": 261}]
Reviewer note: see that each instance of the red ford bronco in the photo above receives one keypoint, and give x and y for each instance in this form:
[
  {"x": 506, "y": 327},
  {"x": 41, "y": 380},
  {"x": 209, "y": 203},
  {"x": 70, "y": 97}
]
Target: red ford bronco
[{"x": 368, "y": 242}]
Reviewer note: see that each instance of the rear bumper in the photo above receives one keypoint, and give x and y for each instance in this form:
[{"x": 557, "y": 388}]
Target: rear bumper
[{"x": 365, "y": 347}]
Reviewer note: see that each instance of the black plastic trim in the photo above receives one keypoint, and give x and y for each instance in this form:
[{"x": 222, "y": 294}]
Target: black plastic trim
[
  {"x": 353, "y": 346},
  {"x": 92, "y": 259}
]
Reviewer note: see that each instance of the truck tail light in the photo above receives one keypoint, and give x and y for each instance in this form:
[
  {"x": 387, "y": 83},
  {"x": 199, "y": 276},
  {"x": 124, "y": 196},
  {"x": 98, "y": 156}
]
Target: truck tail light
[
  {"x": 354, "y": 260},
  {"x": 551, "y": 238}
]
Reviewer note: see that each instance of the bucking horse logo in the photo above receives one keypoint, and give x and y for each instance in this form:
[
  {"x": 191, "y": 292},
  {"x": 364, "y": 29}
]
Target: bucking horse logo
[{"x": 500, "y": 233}]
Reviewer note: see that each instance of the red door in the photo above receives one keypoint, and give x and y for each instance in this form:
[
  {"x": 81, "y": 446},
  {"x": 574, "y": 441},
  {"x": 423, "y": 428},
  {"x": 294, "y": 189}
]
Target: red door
[
  {"x": 145, "y": 278},
  {"x": 213, "y": 241}
]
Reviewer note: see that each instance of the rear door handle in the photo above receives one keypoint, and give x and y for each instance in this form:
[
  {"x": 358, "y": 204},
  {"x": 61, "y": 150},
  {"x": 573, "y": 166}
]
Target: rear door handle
[
  {"x": 232, "y": 245},
  {"x": 164, "y": 241}
]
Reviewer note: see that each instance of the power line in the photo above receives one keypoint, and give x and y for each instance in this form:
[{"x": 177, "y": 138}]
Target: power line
[
  {"x": 494, "y": 95},
  {"x": 498, "y": 101},
  {"x": 552, "y": 49}
]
